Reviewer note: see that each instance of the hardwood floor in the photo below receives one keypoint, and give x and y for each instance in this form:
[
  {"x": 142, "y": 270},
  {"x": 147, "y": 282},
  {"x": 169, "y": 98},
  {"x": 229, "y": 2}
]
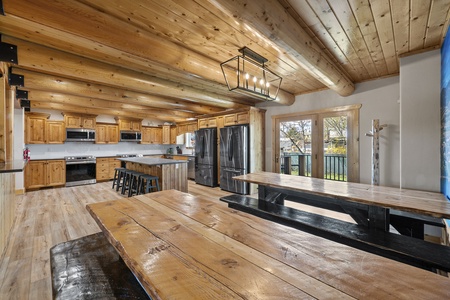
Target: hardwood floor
[{"x": 48, "y": 217}]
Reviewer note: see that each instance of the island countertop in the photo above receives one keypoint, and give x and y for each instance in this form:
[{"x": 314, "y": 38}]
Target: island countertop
[
  {"x": 151, "y": 161},
  {"x": 172, "y": 173}
]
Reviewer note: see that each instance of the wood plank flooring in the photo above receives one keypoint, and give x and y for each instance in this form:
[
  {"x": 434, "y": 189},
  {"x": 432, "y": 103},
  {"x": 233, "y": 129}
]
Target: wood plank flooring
[{"x": 48, "y": 217}]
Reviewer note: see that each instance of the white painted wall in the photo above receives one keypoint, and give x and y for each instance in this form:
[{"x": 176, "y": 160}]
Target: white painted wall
[
  {"x": 379, "y": 99},
  {"x": 420, "y": 121},
  {"x": 19, "y": 144},
  {"x": 410, "y": 145}
]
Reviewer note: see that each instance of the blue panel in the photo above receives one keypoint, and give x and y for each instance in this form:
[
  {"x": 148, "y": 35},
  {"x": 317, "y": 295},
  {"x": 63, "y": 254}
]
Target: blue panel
[{"x": 445, "y": 117}]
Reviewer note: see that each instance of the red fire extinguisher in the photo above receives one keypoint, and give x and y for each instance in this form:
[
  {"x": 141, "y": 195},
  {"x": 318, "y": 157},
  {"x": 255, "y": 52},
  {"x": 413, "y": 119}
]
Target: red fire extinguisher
[{"x": 26, "y": 154}]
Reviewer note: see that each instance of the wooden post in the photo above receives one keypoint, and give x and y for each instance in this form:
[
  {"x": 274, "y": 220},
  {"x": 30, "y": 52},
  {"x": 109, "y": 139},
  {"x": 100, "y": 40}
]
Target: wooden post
[
  {"x": 301, "y": 165},
  {"x": 376, "y": 152},
  {"x": 287, "y": 165}
]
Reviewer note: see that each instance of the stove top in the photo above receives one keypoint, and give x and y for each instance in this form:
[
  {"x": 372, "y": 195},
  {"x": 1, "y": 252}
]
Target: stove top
[
  {"x": 80, "y": 158},
  {"x": 129, "y": 155}
]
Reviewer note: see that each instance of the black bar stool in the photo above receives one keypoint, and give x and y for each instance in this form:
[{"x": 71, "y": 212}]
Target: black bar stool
[
  {"x": 128, "y": 180},
  {"x": 147, "y": 183},
  {"x": 118, "y": 177},
  {"x": 133, "y": 184}
]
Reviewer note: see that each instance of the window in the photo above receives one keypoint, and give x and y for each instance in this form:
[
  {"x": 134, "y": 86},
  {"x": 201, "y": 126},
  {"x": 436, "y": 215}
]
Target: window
[{"x": 321, "y": 144}]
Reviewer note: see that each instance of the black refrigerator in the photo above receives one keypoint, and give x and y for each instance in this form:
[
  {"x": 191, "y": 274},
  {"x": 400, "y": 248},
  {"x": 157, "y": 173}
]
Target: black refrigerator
[
  {"x": 234, "y": 158},
  {"x": 206, "y": 157}
]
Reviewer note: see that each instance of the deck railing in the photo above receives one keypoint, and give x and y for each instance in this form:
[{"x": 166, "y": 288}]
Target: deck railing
[{"x": 335, "y": 165}]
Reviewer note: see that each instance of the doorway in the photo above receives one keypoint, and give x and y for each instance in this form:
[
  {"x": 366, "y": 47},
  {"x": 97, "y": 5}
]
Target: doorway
[{"x": 320, "y": 144}]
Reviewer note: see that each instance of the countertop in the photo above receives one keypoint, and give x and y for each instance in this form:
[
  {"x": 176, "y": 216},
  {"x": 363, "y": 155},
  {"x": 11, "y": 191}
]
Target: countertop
[
  {"x": 12, "y": 166},
  {"x": 152, "y": 161},
  {"x": 186, "y": 155}
]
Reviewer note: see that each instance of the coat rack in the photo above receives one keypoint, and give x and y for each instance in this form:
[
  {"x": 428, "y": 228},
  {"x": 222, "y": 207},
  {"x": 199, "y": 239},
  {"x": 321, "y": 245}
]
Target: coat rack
[{"x": 375, "y": 134}]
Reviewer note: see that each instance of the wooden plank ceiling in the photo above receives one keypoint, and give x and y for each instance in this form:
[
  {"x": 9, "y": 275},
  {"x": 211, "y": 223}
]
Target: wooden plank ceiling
[{"x": 160, "y": 59}]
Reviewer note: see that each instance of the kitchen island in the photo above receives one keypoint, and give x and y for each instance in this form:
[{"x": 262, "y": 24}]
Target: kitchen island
[{"x": 172, "y": 173}]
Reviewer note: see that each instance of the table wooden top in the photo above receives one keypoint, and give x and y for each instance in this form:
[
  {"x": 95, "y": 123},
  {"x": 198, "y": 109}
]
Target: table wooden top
[
  {"x": 421, "y": 202},
  {"x": 186, "y": 247}
]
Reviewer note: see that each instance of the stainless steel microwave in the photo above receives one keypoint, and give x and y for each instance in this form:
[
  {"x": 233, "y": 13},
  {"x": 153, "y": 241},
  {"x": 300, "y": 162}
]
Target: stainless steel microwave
[
  {"x": 80, "y": 135},
  {"x": 130, "y": 136}
]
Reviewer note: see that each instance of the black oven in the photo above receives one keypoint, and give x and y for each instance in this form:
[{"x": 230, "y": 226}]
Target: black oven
[{"x": 80, "y": 170}]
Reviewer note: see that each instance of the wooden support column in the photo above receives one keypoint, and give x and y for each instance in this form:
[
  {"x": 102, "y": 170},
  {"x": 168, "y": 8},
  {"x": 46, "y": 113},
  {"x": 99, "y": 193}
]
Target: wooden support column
[{"x": 3, "y": 83}]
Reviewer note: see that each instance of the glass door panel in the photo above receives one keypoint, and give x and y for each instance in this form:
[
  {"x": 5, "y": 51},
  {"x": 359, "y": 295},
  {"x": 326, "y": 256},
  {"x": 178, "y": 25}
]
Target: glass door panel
[
  {"x": 295, "y": 146},
  {"x": 335, "y": 148}
]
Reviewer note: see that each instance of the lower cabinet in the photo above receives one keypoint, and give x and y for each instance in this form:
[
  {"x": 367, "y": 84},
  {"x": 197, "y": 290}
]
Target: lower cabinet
[
  {"x": 45, "y": 173},
  {"x": 105, "y": 168}
]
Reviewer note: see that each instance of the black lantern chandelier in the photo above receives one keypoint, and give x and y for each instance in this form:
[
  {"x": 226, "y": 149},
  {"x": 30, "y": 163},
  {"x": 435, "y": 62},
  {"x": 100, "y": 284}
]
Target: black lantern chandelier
[{"x": 248, "y": 75}]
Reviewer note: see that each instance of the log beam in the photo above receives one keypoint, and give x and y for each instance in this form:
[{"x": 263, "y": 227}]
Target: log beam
[
  {"x": 35, "y": 81},
  {"x": 60, "y": 16},
  {"x": 44, "y": 59},
  {"x": 270, "y": 20},
  {"x": 51, "y": 97}
]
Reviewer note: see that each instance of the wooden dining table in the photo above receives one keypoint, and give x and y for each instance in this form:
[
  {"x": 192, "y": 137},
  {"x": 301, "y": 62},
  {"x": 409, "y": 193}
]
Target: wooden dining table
[
  {"x": 181, "y": 246},
  {"x": 387, "y": 221}
]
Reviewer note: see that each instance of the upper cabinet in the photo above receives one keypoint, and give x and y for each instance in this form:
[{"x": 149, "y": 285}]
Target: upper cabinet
[
  {"x": 236, "y": 118},
  {"x": 55, "y": 132},
  {"x": 79, "y": 121},
  {"x": 106, "y": 133},
  {"x": 39, "y": 130},
  {"x": 185, "y": 127},
  {"x": 207, "y": 122},
  {"x": 166, "y": 135},
  {"x": 151, "y": 135},
  {"x": 128, "y": 124}
]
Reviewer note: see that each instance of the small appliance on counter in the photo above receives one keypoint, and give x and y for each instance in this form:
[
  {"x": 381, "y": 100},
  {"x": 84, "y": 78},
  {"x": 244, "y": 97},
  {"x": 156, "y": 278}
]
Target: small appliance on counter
[{"x": 179, "y": 151}]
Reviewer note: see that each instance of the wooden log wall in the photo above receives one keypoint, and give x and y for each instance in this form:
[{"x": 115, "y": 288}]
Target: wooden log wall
[{"x": 7, "y": 207}]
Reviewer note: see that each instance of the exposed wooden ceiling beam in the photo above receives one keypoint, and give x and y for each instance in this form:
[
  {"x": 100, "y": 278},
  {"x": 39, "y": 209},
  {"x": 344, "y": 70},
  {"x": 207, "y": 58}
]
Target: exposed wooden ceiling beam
[
  {"x": 62, "y": 15},
  {"x": 104, "y": 104},
  {"x": 270, "y": 20},
  {"x": 97, "y": 111},
  {"x": 44, "y": 59},
  {"x": 59, "y": 84}
]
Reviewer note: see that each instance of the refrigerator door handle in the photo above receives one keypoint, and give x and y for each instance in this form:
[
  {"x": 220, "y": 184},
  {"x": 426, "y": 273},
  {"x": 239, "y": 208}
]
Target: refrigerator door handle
[{"x": 203, "y": 147}]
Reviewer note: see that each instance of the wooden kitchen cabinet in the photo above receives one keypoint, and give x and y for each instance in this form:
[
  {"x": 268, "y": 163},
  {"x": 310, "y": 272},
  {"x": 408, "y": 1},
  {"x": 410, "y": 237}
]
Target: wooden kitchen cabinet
[
  {"x": 173, "y": 135},
  {"x": 106, "y": 133},
  {"x": 105, "y": 168},
  {"x": 35, "y": 128},
  {"x": 166, "y": 135},
  {"x": 55, "y": 132},
  {"x": 191, "y": 127},
  {"x": 45, "y": 173},
  {"x": 39, "y": 130},
  {"x": 79, "y": 121},
  {"x": 207, "y": 122},
  {"x": 128, "y": 124},
  {"x": 151, "y": 135},
  {"x": 236, "y": 119},
  {"x": 185, "y": 127}
]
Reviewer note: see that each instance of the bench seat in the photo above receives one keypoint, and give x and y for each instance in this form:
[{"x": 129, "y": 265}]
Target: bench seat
[
  {"x": 90, "y": 268},
  {"x": 415, "y": 252}
]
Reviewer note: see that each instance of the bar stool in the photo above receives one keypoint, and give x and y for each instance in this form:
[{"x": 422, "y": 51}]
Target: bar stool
[
  {"x": 133, "y": 184},
  {"x": 145, "y": 184},
  {"x": 118, "y": 176},
  {"x": 128, "y": 180}
]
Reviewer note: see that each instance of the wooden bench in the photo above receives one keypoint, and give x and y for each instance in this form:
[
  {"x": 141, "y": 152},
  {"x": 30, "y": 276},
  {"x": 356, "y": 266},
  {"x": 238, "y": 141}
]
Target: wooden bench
[
  {"x": 415, "y": 252},
  {"x": 90, "y": 268},
  {"x": 183, "y": 246}
]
